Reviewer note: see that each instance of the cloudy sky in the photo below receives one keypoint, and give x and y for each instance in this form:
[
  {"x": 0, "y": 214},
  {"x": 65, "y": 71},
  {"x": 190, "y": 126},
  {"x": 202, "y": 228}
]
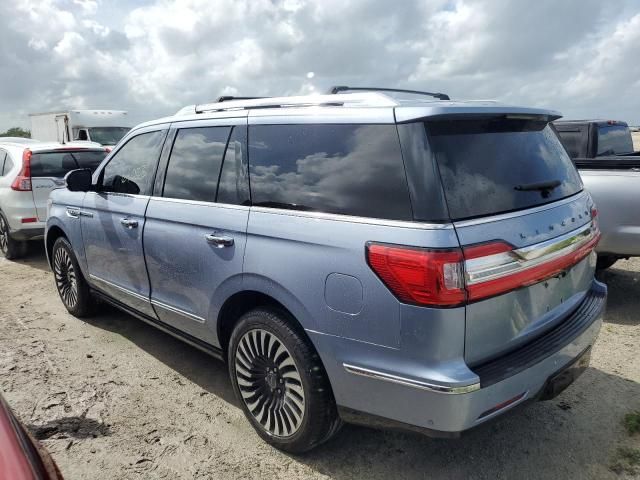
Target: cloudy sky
[{"x": 151, "y": 57}]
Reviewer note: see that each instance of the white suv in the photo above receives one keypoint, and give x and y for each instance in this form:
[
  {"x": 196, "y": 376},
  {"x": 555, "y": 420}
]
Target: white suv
[{"x": 29, "y": 170}]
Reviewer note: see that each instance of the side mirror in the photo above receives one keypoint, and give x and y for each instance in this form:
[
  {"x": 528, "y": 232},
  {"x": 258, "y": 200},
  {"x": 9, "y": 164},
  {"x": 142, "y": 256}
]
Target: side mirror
[{"x": 78, "y": 180}]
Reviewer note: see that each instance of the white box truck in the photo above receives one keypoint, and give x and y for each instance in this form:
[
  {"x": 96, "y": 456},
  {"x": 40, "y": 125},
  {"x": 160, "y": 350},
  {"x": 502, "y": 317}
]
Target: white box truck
[{"x": 106, "y": 127}]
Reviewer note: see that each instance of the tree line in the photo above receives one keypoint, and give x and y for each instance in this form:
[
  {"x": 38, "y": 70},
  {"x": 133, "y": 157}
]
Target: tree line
[{"x": 16, "y": 132}]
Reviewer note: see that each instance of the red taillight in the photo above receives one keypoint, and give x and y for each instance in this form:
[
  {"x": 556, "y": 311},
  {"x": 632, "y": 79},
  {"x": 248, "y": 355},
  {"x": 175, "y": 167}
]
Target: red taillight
[
  {"x": 529, "y": 276},
  {"x": 444, "y": 278},
  {"x": 419, "y": 276},
  {"x": 28, "y": 220},
  {"x": 22, "y": 183},
  {"x": 107, "y": 149},
  {"x": 594, "y": 218},
  {"x": 497, "y": 268}
]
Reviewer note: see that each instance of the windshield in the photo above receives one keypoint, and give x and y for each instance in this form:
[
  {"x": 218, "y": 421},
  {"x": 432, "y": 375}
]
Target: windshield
[
  {"x": 107, "y": 135},
  {"x": 58, "y": 164},
  {"x": 492, "y": 166},
  {"x": 614, "y": 140}
]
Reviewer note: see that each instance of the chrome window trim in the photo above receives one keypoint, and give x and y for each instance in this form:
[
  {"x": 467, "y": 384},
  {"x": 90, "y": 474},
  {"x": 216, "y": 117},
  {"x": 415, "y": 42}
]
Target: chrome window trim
[
  {"x": 495, "y": 266},
  {"x": 118, "y": 287},
  {"x": 128, "y": 195},
  {"x": 408, "y": 382},
  {"x": 354, "y": 219},
  {"x": 521, "y": 213},
  {"x": 200, "y": 203},
  {"x": 169, "y": 308}
]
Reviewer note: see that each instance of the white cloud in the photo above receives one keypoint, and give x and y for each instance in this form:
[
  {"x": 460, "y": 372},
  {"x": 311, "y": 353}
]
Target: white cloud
[{"x": 152, "y": 58}]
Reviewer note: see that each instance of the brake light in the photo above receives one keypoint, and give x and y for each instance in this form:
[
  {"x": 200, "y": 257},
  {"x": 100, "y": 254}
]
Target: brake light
[
  {"x": 22, "y": 183},
  {"x": 445, "y": 278},
  {"x": 107, "y": 149},
  {"x": 419, "y": 276}
]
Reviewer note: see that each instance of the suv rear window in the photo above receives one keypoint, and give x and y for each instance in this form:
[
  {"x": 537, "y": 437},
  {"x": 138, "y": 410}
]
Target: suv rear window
[
  {"x": 492, "y": 166},
  {"x": 614, "y": 140},
  {"x": 345, "y": 169},
  {"x": 58, "y": 164}
]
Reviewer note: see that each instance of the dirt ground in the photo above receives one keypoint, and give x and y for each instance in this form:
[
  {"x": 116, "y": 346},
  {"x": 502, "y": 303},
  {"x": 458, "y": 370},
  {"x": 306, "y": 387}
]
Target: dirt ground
[{"x": 113, "y": 398}]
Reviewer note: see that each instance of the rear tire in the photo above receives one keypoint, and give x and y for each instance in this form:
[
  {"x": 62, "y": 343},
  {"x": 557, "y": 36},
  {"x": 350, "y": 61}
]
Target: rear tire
[
  {"x": 9, "y": 248},
  {"x": 605, "y": 261},
  {"x": 280, "y": 382},
  {"x": 70, "y": 283}
]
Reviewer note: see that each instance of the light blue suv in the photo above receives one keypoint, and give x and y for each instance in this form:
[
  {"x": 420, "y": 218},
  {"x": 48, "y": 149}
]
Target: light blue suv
[{"x": 377, "y": 257}]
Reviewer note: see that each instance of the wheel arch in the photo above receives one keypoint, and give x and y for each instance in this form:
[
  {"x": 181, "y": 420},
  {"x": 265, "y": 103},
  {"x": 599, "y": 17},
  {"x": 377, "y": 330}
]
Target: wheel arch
[
  {"x": 53, "y": 233},
  {"x": 244, "y": 301}
]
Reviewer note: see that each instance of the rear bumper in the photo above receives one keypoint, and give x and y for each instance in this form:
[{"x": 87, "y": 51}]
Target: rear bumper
[
  {"x": 496, "y": 387},
  {"x": 36, "y": 233}
]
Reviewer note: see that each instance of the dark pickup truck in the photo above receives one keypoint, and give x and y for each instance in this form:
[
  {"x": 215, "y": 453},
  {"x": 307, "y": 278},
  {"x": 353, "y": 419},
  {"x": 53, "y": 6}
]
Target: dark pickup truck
[{"x": 610, "y": 169}]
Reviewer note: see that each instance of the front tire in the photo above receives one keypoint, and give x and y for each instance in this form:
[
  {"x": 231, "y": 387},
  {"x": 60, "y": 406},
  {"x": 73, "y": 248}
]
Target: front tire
[
  {"x": 70, "y": 283},
  {"x": 9, "y": 248},
  {"x": 280, "y": 382}
]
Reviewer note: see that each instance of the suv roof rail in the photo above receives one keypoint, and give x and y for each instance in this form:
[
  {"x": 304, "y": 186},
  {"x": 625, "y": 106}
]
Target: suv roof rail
[
  {"x": 344, "y": 88},
  {"x": 226, "y": 98},
  {"x": 368, "y": 99}
]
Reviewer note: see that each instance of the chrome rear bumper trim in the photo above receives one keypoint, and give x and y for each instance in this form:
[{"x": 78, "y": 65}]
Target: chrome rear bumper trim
[{"x": 376, "y": 375}]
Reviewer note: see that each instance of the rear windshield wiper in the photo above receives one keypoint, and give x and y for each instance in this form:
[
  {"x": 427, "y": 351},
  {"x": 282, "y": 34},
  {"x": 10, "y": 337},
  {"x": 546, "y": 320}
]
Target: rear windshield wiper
[{"x": 543, "y": 187}]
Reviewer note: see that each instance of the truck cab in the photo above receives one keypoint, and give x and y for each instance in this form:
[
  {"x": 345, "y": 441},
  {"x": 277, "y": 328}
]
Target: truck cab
[
  {"x": 595, "y": 138},
  {"x": 105, "y": 127}
]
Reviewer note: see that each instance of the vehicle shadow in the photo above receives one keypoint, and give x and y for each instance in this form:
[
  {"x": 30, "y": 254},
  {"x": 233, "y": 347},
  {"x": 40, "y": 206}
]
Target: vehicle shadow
[
  {"x": 572, "y": 436},
  {"x": 76, "y": 427},
  {"x": 202, "y": 369},
  {"x": 35, "y": 257},
  {"x": 623, "y": 303}
]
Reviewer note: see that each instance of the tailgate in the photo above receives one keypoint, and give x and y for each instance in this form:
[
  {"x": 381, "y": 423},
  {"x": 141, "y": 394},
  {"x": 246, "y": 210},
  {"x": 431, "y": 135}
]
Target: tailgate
[
  {"x": 501, "y": 323},
  {"x": 48, "y": 169},
  {"x": 524, "y": 225},
  {"x": 42, "y": 187}
]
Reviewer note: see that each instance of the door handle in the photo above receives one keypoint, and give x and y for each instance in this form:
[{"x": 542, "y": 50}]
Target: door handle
[
  {"x": 219, "y": 241},
  {"x": 129, "y": 223}
]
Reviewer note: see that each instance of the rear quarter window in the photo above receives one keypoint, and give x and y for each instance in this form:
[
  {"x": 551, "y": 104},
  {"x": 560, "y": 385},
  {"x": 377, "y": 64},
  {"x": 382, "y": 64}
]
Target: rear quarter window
[
  {"x": 343, "y": 169},
  {"x": 488, "y": 166}
]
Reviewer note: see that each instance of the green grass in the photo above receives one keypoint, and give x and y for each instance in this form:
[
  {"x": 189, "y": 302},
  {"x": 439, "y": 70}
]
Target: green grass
[
  {"x": 631, "y": 423},
  {"x": 625, "y": 460}
]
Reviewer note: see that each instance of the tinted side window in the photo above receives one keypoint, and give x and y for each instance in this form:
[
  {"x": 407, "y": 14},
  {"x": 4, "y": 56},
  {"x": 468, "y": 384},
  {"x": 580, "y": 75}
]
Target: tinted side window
[
  {"x": 2, "y": 157},
  {"x": 234, "y": 182},
  {"x": 194, "y": 165},
  {"x": 132, "y": 168},
  {"x": 346, "y": 169}
]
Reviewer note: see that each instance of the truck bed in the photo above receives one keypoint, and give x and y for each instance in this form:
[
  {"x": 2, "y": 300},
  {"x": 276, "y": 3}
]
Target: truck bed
[
  {"x": 616, "y": 191},
  {"x": 612, "y": 162}
]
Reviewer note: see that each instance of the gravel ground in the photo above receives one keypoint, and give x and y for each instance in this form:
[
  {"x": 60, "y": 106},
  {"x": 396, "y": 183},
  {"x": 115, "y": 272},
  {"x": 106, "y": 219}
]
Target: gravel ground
[{"x": 111, "y": 397}]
